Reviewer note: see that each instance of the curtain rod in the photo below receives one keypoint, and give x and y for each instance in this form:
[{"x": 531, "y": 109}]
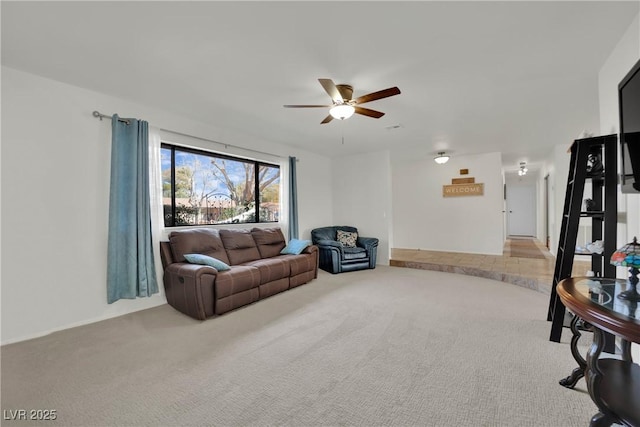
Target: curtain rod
[
  {"x": 104, "y": 116},
  {"x": 99, "y": 115}
]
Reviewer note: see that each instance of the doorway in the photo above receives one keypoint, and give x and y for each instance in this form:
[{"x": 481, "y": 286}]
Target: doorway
[
  {"x": 547, "y": 229},
  {"x": 521, "y": 210}
]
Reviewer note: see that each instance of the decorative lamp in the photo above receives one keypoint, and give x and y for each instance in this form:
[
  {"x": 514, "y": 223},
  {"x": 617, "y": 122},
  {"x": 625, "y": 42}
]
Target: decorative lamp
[
  {"x": 342, "y": 111},
  {"x": 441, "y": 159},
  {"x": 629, "y": 256}
]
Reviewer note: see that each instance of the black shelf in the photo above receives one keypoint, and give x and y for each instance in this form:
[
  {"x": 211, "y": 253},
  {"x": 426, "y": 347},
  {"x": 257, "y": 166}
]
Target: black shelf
[
  {"x": 591, "y": 214},
  {"x": 588, "y": 253},
  {"x": 598, "y": 177},
  {"x": 603, "y": 216}
]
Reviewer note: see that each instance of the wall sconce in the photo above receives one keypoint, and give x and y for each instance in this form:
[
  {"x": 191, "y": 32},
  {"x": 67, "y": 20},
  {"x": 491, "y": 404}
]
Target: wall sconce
[
  {"x": 523, "y": 169},
  {"x": 441, "y": 159}
]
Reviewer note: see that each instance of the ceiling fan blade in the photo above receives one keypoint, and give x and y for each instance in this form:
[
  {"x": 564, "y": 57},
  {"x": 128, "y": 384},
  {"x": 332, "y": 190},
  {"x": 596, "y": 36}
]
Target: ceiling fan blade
[
  {"x": 368, "y": 112},
  {"x": 327, "y": 119},
  {"x": 331, "y": 89},
  {"x": 377, "y": 95},
  {"x": 306, "y": 106}
]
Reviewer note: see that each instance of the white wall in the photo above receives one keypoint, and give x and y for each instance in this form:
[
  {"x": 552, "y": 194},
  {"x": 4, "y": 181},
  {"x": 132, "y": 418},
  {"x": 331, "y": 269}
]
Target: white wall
[
  {"x": 424, "y": 219},
  {"x": 560, "y": 159},
  {"x": 619, "y": 63},
  {"x": 55, "y": 187},
  {"x": 362, "y": 196},
  {"x": 315, "y": 200},
  {"x": 623, "y": 57}
]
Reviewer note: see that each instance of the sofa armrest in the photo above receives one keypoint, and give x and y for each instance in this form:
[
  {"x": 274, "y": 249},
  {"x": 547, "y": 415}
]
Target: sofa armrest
[
  {"x": 330, "y": 255},
  {"x": 310, "y": 249},
  {"x": 315, "y": 252},
  {"x": 367, "y": 242},
  {"x": 329, "y": 244},
  {"x": 371, "y": 246},
  {"x": 189, "y": 288}
]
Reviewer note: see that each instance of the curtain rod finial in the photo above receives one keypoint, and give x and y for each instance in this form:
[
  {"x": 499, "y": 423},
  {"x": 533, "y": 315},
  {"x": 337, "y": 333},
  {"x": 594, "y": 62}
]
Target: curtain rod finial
[{"x": 97, "y": 114}]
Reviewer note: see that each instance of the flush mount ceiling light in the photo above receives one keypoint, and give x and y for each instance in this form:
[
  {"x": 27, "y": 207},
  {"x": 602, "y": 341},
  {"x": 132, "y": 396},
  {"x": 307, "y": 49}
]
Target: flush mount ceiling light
[
  {"x": 342, "y": 111},
  {"x": 523, "y": 169},
  {"x": 441, "y": 159}
]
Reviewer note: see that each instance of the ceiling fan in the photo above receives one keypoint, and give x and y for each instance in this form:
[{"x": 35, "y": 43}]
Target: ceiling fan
[{"x": 343, "y": 106}]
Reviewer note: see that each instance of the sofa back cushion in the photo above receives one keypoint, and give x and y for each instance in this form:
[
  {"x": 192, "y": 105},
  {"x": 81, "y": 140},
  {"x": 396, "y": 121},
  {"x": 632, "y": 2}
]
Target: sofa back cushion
[
  {"x": 330, "y": 233},
  {"x": 270, "y": 241},
  {"x": 323, "y": 233},
  {"x": 205, "y": 241},
  {"x": 240, "y": 246}
]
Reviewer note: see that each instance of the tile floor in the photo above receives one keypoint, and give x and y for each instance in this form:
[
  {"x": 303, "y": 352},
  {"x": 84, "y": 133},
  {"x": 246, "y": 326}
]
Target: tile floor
[{"x": 532, "y": 273}]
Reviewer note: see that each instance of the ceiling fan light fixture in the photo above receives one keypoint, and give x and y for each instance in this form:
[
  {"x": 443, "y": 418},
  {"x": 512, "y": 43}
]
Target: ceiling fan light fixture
[
  {"x": 343, "y": 106},
  {"x": 441, "y": 159},
  {"x": 523, "y": 169},
  {"x": 342, "y": 111}
]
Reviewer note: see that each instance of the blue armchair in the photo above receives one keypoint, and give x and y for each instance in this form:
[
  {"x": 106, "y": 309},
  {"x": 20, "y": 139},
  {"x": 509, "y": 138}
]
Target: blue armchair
[{"x": 336, "y": 257}]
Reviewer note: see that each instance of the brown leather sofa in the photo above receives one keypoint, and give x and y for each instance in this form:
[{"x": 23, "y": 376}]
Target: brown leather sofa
[{"x": 258, "y": 270}]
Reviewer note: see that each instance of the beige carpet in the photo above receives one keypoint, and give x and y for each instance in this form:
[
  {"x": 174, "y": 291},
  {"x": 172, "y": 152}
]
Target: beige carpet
[
  {"x": 389, "y": 346},
  {"x": 526, "y": 248}
]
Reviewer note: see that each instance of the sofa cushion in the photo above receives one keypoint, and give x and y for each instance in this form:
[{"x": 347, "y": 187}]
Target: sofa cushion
[
  {"x": 355, "y": 253},
  {"x": 240, "y": 246},
  {"x": 270, "y": 241},
  {"x": 271, "y": 269},
  {"x": 300, "y": 263},
  {"x": 347, "y": 238},
  {"x": 238, "y": 279},
  {"x": 323, "y": 233},
  {"x": 206, "y": 260},
  {"x": 205, "y": 241}
]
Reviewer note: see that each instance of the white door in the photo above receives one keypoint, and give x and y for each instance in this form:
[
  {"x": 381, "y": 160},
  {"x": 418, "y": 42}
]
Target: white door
[{"x": 521, "y": 210}]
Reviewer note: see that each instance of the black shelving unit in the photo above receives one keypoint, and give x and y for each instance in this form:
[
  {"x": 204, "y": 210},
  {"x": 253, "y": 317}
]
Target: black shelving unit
[{"x": 595, "y": 160}]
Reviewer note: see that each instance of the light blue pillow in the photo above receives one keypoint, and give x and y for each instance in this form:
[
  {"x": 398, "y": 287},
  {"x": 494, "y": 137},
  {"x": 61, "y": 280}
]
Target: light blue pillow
[
  {"x": 295, "y": 247},
  {"x": 207, "y": 260}
]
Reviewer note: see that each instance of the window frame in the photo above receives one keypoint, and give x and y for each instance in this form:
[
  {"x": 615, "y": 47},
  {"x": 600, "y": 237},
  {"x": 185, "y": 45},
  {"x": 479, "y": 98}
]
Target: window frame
[{"x": 212, "y": 154}]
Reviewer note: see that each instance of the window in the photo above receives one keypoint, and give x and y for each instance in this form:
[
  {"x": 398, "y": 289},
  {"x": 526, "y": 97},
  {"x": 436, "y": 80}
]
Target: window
[{"x": 199, "y": 187}]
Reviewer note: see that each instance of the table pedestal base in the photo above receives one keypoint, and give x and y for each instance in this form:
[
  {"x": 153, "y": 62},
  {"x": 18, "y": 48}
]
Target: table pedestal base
[
  {"x": 572, "y": 380},
  {"x": 601, "y": 420}
]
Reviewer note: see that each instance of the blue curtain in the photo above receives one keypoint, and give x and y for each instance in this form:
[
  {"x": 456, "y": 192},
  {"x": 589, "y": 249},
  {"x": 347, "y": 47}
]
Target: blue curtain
[
  {"x": 293, "y": 199},
  {"x": 130, "y": 266}
]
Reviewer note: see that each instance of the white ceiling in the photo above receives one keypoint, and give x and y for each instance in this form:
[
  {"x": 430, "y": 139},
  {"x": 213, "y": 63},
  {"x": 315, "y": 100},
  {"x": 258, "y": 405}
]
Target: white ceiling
[{"x": 515, "y": 77}]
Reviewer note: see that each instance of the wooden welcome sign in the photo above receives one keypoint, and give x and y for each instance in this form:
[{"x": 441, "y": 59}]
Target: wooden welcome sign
[{"x": 463, "y": 187}]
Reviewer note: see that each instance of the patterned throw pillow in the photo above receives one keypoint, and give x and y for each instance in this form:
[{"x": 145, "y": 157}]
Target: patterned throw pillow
[
  {"x": 207, "y": 260},
  {"x": 347, "y": 238}
]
